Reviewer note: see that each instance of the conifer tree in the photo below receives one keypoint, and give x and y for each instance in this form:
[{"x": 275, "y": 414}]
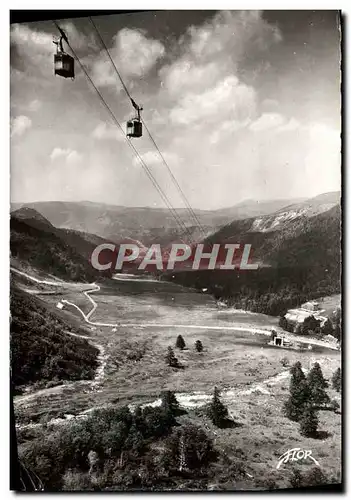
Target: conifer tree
[
  {"x": 309, "y": 421},
  {"x": 171, "y": 360},
  {"x": 198, "y": 346},
  {"x": 169, "y": 404},
  {"x": 217, "y": 411},
  {"x": 299, "y": 394},
  {"x": 317, "y": 385},
  {"x": 180, "y": 343}
]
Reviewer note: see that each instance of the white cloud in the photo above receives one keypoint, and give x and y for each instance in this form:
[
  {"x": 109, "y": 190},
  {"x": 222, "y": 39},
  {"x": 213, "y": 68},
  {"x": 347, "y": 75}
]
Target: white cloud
[
  {"x": 70, "y": 156},
  {"x": 290, "y": 125},
  {"x": 20, "y": 124},
  {"x": 267, "y": 121},
  {"x": 106, "y": 131},
  {"x": 226, "y": 128},
  {"x": 153, "y": 158},
  {"x": 184, "y": 75},
  {"x": 228, "y": 97},
  {"x": 25, "y": 38},
  {"x": 204, "y": 83},
  {"x": 34, "y": 105},
  {"x": 134, "y": 55},
  {"x": 237, "y": 32}
]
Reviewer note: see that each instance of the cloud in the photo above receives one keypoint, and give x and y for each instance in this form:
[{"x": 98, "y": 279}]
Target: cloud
[
  {"x": 206, "y": 81},
  {"x": 267, "y": 121},
  {"x": 35, "y": 50},
  {"x": 26, "y": 38},
  {"x": 153, "y": 158},
  {"x": 34, "y": 105},
  {"x": 228, "y": 97},
  {"x": 134, "y": 55},
  {"x": 238, "y": 32},
  {"x": 71, "y": 156},
  {"x": 20, "y": 124},
  {"x": 105, "y": 131},
  {"x": 227, "y": 128},
  {"x": 289, "y": 125}
]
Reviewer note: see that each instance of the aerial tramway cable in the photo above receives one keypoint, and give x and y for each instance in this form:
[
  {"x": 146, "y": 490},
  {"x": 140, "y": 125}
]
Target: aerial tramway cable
[
  {"x": 131, "y": 145},
  {"x": 175, "y": 182}
]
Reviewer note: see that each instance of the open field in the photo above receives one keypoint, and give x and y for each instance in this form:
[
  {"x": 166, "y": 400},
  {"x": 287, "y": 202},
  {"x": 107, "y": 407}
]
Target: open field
[
  {"x": 253, "y": 376},
  {"x": 136, "y": 368}
]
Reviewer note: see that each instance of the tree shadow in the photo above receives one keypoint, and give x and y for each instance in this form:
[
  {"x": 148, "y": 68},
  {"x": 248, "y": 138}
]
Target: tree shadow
[
  {"x": 228, "y": 423},
  {"x": 180, "y": 411},
  {"x": 321, "y": 435},
  {"x": 329, "y": 408}
]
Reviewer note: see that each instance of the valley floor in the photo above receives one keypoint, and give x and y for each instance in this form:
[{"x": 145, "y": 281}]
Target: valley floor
[{"x": 133, "y": 323}]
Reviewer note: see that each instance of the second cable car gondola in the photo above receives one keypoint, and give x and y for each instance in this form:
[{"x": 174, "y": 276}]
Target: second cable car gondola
[
  {"x": 63, "y": 62},
  {"x": 134, "y": 126}
]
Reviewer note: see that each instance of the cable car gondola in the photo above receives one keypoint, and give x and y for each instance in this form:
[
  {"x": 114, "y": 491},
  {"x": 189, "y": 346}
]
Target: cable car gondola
[
  {"x": 63, "y": 62},
  {"x": 134, "y": 125}
]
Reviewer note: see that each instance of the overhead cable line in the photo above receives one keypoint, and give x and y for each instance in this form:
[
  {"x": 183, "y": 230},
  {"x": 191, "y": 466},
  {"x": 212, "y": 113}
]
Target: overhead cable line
[
  {"x": 176, "y": 183},
  {"x": 143, "y": 164}
]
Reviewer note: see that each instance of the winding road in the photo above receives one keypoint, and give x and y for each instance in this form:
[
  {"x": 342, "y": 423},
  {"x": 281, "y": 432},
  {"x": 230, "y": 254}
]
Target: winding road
[{"x": 96, "y": 288}]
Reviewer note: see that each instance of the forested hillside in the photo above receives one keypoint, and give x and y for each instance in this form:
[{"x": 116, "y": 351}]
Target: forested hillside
[{"x": 40, "y": 350}]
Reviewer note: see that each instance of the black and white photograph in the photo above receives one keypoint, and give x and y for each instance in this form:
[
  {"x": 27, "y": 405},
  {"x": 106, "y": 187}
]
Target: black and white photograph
[{"x": 175, "y": 251}]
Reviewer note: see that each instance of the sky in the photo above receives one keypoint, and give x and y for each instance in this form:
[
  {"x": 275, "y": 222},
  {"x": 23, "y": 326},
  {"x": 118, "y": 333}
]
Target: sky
[{"x": 242, "y": 104}]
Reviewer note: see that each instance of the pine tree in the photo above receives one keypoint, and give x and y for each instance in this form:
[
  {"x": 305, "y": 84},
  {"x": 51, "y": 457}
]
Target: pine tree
[
  {"x": 169, "y": 404},
  {"x": 217, "y": 412},
  {"x": 309, "y": 421},
  {"x": 336, "y": 380},
  {"x": 171, "y": 360},
  {"x": 299, "y": 394},
  {"x": 317, "y": 385},
  {"x": 180, "y": 343},
  {"x": 198, "y": 346}
]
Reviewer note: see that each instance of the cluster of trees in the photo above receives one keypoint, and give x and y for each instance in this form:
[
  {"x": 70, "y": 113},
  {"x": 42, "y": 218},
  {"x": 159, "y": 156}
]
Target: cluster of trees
[
  {"x": 180, "y": 344},
  {"x": 307, "y": 395},
  {"x": 171, "y": 359},
  {"x": 40, "y": 351},
  {"x": 312, "y": 326},
  {"x": 119, "y": 449}
]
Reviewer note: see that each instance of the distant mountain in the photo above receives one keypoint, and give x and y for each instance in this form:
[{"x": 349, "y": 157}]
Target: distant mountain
[
  {"x": 148, "y": 225},
  {"x": 298, "y": 250},
  {"x": 35, "y": 241},
  {"x": 283, "y": 221},
  {"x": 255, "y": 208}
]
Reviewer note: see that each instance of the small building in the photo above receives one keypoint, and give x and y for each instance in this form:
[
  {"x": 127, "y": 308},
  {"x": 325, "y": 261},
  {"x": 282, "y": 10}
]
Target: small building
[
  {"x": 59, "y": 305},
  {"x": 311, "y": 307},
  {"x": 297, "y": 316},
  {"x": 278, "y": 341}
]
